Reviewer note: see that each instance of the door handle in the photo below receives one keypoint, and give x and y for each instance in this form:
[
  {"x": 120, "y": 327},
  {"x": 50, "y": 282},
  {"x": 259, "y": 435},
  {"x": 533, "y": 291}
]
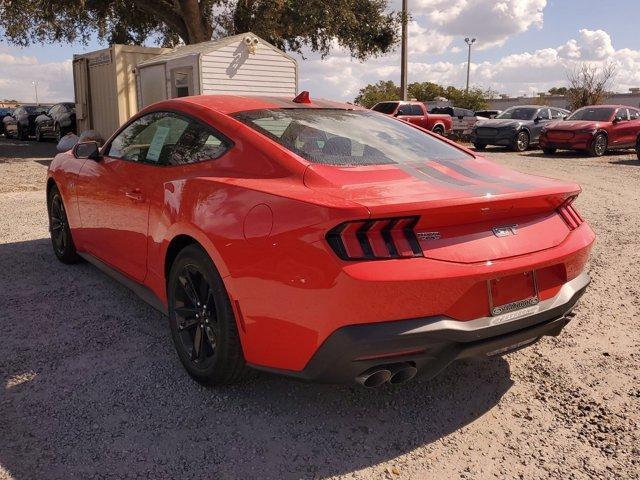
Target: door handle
[{"x": 135, "y": 195}]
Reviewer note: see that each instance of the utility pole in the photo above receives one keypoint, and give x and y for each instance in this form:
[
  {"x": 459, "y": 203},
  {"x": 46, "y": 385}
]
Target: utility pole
[
  {"x": 405, "y": 34},
  {"x": 35, "y": 86},
  {"x": 470, "y": 42}
]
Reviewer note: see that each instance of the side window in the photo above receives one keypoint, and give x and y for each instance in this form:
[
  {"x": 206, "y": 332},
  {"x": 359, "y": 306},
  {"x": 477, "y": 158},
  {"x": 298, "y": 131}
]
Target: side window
[
  {"x": 557, "y": 114},
  {"x": 197, "y": 144},
  {"x": 622, "y": 114},
  {"x": 634, "y": 114},
  {"x": 543, "y": 114},
  {"x": 54, "y": 110},
  {"x": 151, "y": 139},
  {"x": 415, "y": 110},
  {"x": 404, "y": 110}
]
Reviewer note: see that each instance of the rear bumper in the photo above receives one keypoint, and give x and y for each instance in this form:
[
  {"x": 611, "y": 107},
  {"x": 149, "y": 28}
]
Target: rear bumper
[{"x": 432, "y": 343}]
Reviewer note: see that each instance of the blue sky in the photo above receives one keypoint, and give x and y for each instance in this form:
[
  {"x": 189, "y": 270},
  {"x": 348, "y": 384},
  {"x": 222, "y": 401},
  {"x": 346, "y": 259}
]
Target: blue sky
[{"x": 524, "y": 46}]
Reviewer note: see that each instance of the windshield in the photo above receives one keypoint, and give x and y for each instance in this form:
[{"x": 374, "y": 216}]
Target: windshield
[
  {"x": 348, "y": 138},
  {"x": 593, "y": 114},
  {"x": 32, "y": 109},
  {"x": 519, "y": 113},
  {"x": 385, "y": 107}
]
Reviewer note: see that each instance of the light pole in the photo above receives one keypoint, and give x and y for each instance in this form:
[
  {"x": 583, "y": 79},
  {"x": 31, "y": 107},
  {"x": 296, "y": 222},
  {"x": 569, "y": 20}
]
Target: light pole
[
  {"x": 470, "y": 42},
  {"x": 403, "y": 66},
  {"x": 35, "y": 86}
]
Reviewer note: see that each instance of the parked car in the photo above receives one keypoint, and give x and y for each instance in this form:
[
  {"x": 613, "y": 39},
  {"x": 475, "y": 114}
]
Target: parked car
[
  {"x": 594, "y": 130},
  {"x": 318, "y": 239},
  {"x": 20, "y": 123},
  {"x": 57, "y": 122},
  {"x": 463, "y": 118},
  {"x": 517, "y": 127},
  {"x": 3, "y": 113},
  {"x": 416, "y": 113},
  {"x": 488, "y": 113},
  {"x": 638, "y": 146}
]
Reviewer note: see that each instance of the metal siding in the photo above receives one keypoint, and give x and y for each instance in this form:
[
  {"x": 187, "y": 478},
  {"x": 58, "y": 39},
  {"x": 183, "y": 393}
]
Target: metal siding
[{"x": 231, "y": 69}]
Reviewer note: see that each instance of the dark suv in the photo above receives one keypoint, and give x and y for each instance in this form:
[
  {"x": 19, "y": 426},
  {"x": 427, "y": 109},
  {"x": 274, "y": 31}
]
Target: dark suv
[{"x": 57, "y": 122}]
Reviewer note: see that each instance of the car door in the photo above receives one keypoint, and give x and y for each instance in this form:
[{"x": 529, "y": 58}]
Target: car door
[
  {"x": 113, "y": 193},
  {"x": 631, "y": 127},
  {"x": 620, "y": 129},
  {"x": 543, "y": 118}
]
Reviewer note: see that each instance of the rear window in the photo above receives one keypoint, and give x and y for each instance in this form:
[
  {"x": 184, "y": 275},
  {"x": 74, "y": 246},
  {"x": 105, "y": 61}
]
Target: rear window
[
  {"x": 593, "y": 114},
  {"x": 385, "y": 107},
  {"x": 348, "y": 137}
]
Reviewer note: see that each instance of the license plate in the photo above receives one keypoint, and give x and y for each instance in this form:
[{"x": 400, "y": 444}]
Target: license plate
[{"x": 512, "y": 293}]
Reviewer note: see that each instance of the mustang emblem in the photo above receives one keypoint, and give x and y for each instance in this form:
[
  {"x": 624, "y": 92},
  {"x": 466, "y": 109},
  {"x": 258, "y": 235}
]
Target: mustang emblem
[
  {"x": 428, "y": 235},
  {"x": 505, "y": 230}
]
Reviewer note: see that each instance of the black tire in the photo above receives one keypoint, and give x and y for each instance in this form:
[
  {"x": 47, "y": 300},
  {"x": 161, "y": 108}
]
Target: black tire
[
  {"x": 479, "y": 146},
  {"x": 21, "y": 135},
  {"x": 438, "y": 129},
  {"x": 58, "y": 133},
  {"x": 39, "y": 137},
  {"x": 521, "y": 141},
  {"x": 599, "y": 145},
  {"x": 61, "y": 239},
  {"x": 549, "y": 151},
  {"x": 638, "y": 148},
  {"x": 202, "y": 323}
]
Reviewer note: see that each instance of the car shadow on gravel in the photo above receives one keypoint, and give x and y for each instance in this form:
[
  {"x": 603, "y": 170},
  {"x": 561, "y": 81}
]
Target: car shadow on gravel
[
  {"x": 16, "y": 150},
  {"x": 570, "y": 154},
  {"x": 90, "y": 387}
]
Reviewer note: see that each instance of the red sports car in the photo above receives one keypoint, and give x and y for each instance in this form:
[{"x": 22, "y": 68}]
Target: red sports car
[
  {"x": 319, "y": 240},
  {"x": 593, "y": 129}
]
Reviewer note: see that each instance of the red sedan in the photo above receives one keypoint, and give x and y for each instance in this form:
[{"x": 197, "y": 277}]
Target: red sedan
[
  {"x": 594, "y": 130},
  {"x": 319, "y": 240}
]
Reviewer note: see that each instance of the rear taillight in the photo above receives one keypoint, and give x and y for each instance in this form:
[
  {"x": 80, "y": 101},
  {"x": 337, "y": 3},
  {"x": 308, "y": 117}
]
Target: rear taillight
[
  {"x": 375, "y": 239},
  {"x": 569, "y": 214}
]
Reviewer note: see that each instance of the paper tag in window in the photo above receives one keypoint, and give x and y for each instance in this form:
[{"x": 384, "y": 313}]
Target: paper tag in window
[{"x": 155, "y": 148}]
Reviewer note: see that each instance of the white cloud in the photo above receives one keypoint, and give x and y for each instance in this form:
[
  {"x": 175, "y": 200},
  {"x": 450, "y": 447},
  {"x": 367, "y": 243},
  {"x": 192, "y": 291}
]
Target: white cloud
[
  {"x": 54, "y": 79},
  {"x": 491, "y": 22}
]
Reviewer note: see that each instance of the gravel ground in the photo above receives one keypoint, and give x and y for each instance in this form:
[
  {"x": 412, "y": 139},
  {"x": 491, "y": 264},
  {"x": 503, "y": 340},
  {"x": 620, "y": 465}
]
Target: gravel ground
[{"x": 90, "y": 386}]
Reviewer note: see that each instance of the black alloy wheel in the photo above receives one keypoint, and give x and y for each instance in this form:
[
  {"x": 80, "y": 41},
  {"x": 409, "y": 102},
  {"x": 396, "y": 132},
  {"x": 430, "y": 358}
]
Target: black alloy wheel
[
  {"x": 599, "y": 145},
  {"x": 202, "y": 322},
  {"x": 521, "y": 142},
  {"x": 61, "y": 238}
]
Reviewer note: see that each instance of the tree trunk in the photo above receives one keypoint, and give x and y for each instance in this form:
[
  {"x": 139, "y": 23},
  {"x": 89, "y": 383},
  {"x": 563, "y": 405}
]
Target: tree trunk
[{"x": 195, "y": 22}]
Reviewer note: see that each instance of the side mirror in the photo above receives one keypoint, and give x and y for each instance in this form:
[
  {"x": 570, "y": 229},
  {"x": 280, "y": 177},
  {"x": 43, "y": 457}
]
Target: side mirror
[
  {"x": 89, "y": 150},
  {"x": 537, "y": 119}
]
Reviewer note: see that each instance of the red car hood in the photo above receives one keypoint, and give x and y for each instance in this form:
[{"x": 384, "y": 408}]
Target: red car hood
[
  {"x": 473, "y": 188},
  {"x": 575, "y": 125}
]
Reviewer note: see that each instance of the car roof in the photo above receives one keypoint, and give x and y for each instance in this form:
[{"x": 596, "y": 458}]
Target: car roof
[
  {"x": 607, "y": 106},
  {"x": 228, "y": 104}
]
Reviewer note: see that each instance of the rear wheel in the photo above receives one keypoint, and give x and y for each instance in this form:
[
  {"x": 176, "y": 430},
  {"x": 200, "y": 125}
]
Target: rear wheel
[
  {"x": 549, "y": 151},
  {"x": 203, "y": 326},
  {"x": 598, "y": 145},
  {"x": 61, "y": 239},
  {"x": 438, "y": 129},
  {"x": 521, "y": 142},
  {"x": 479, "y": 146}
]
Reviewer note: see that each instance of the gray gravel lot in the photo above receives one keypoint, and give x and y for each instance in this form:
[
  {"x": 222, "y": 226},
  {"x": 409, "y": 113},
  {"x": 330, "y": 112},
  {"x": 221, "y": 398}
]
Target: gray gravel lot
[{"x": 90, "y": 386}]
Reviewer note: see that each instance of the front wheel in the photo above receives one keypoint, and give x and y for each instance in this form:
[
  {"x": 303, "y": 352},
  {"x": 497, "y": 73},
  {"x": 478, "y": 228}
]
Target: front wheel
[
  {"x": 202, "y": 323},
  {"x": 479, "y": 146},
  {"x": 61, "y": 239},
  {"x": 599, "y": 145},
  {"x": 438, "y": 129},
  {"x": 521, "y": 142}
]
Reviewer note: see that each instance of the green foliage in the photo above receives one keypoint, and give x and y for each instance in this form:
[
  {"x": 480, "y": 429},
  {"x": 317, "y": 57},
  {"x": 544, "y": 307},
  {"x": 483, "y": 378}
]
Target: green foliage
[
  {"x": 474, "y": 99},
  {"x": 365, "y": 27},
  {"x": 558, "y": 90}
]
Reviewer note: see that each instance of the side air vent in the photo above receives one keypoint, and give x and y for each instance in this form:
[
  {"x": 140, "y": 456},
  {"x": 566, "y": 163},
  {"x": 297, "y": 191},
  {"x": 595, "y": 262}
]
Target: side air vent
[
  {"x": 376, "y": 239},
  {"x": 569, "y": 214}
]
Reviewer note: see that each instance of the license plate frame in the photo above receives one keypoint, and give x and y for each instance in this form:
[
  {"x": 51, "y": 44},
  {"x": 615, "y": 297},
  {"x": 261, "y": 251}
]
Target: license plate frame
[{"x": 519, "y": 304}]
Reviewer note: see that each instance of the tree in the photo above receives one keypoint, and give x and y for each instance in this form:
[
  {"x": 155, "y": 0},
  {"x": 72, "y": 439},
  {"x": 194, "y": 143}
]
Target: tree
[
  {"x": 558, "y": 90},
  {"x": 378, "y": 92},
  {"x": 364, "y": 27},
  {"x": 589, "y": 84},
  {"x": 425, "y": 91}
]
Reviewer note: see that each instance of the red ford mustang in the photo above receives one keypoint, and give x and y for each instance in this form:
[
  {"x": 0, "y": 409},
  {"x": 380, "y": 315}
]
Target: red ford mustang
[
  {"x": 593, "y": 129},
  {"x": 319, "y": 240}
]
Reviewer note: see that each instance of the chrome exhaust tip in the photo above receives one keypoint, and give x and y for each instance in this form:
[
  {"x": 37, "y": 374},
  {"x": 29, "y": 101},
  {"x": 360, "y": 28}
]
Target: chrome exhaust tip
[
  {"x": 374, "y": 377},
  {"x": 403, "y": 374}
]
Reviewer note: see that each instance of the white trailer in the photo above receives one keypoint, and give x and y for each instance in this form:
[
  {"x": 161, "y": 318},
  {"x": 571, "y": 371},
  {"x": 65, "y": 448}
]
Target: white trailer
[{"x": 238, "y": 65}]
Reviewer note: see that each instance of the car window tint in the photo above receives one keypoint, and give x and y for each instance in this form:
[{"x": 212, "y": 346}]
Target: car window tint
[
  {"x": 415, "y": 110},
  {"x": 404, "y": 110},
  {"x": 275, "y": 126},
  {"x": 634, "y": 114},
  {"x": 543, "y": 114},
  {"x": 385, "y": 107},
  {"x": 151, "y": 138},
  {"x": 557, "y": 114},
  {"x": 197, "y": 144},
  {"x": 352, "y": 138},
  {"x": 621, "y": 114}
]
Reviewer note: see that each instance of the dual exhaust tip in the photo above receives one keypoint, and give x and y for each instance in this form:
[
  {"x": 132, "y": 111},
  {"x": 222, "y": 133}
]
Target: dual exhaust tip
[{"x": 394, "y": 374}]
